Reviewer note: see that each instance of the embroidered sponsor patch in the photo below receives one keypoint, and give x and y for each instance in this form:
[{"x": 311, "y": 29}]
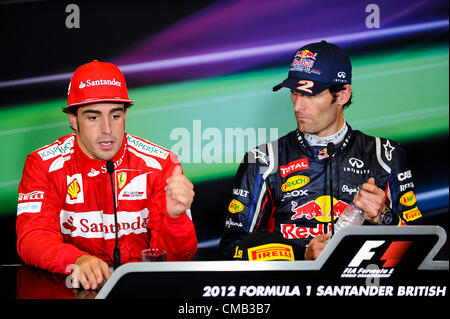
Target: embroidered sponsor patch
[
  {"x": 74, "y": 189},
  {"x": 95, "y": 224},
  {"x": 235, "y": 206},
  {"x": 147, "y": 148}
]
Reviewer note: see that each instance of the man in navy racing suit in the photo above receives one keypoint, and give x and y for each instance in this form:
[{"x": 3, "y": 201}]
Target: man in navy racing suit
[{"x": 283, "y": 186}]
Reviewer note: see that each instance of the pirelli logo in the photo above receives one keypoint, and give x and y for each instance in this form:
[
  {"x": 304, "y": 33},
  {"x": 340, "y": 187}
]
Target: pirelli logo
[
  {"x": 412, "y": 214},
  {"x": 271, "y": 252}
]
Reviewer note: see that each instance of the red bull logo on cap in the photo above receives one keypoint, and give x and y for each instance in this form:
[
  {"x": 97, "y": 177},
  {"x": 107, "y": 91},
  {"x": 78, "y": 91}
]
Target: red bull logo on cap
[
  {"x": 318, "y": 209},
  {"x": 306, "y": 54},
  {"x": 304, "y": 58}
]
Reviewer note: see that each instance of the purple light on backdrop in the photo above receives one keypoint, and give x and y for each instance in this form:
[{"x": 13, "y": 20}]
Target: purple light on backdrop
[
  {"x": 270, "y": 50},
  {"x": 231, "y": 36}
]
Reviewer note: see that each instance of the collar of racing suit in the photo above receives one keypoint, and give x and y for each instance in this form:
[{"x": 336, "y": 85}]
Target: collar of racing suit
[
  {"x": 336, "y": 138},
  {"x": 319, "y": 152},
  {"x": 93, "y": 167}
]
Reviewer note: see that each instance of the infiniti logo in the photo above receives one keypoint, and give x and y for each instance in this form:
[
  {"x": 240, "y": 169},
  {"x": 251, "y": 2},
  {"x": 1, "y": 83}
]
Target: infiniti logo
[
  {"x": 341, "y": 75},
  {"x": 354, "y": 162}
]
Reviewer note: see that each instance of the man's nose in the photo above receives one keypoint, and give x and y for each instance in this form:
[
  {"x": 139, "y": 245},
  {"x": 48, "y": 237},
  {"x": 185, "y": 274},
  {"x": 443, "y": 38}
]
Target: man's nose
[
  {"x": 300, "y": 103},
  {"x": 106, "y": 125}
]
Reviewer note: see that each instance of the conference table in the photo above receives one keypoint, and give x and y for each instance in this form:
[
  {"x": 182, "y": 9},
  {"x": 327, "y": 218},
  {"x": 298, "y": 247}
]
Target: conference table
[{"x": 381, "y": 265}]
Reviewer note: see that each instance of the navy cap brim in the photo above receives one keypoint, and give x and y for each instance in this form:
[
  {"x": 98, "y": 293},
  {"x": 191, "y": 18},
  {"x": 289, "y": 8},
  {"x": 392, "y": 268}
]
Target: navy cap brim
[{"x": 306, "y": 88}]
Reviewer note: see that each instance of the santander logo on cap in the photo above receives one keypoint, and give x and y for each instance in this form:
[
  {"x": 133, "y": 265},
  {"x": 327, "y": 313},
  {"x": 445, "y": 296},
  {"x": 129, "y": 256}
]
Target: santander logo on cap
[{"x": 97, "y": 82}]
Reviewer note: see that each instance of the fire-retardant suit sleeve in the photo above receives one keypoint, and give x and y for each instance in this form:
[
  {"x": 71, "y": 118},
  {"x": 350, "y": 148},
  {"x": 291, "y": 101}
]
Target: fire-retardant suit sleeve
[
  {"x": 39, "y": 239},
  {"x": 400, "y": 193},
  {"x": 251, "y": 206},
  {"x": 176, "y": 235}
]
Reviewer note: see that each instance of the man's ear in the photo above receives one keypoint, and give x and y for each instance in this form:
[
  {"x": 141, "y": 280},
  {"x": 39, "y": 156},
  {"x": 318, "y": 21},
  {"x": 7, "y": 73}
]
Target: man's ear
[
  {"x": 344, "y": 95},
  {"x": 73, "y": 119}
]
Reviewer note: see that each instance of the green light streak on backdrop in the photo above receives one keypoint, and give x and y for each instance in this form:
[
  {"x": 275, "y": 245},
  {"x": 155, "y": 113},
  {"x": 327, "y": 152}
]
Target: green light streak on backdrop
[{"x": 400, "y": 94}]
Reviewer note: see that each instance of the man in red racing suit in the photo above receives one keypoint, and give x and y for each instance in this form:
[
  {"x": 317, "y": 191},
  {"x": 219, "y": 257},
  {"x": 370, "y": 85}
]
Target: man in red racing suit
[
  {"x": 66, "y": 207},
  {"x": 65, "y": 213}
]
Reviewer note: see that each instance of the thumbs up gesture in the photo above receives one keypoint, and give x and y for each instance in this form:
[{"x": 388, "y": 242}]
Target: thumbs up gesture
[
  {"x": 179, "y": 193},
  {"x": 371, "y": 200}
]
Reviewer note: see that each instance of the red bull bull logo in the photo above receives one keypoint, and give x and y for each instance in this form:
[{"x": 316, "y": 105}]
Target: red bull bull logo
[
  {"x": 319, "y": 209},
  {"x": 306, "y": 54}
]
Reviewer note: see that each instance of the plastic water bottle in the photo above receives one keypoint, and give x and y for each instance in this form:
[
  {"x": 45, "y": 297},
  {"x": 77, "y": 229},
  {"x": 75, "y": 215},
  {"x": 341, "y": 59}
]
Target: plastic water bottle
[{"x": 351, "y": 216}]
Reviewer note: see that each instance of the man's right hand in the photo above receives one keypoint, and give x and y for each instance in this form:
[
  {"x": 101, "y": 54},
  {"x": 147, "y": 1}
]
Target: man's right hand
[
  {"x": 90, "y": 271},
  {"x": 315, "y": 247}
]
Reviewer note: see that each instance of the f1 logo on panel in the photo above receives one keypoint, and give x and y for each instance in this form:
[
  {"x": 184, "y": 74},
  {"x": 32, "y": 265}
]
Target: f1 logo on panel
[
  {"x": 365, "y": 256},
  {"x": 391, "y": 256}
]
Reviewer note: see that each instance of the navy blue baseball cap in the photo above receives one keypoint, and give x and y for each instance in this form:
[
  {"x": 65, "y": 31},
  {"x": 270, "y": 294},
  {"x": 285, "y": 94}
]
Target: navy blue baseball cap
[{"x": 317, "y": 66}]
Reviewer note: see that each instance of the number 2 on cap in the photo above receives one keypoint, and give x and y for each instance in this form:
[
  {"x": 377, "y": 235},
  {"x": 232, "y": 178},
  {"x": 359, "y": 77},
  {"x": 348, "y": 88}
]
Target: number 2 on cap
[{"x": 305, "y": 85}]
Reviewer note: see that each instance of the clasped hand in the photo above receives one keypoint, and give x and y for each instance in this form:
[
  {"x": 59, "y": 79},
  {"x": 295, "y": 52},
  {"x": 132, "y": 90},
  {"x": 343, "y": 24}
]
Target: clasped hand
[{"x": 370, "y": 199}]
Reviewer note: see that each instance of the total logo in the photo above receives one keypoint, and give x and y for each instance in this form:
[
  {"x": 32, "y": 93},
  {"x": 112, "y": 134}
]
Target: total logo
[
  {"x": 319, "y": 209},
  {"x": 294, "y": 167},
  {"x": 365, "y": 256}
]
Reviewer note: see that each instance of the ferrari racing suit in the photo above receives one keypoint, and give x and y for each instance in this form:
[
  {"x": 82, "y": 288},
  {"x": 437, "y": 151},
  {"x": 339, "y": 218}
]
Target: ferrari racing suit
[{"x": 66, "y": 208}]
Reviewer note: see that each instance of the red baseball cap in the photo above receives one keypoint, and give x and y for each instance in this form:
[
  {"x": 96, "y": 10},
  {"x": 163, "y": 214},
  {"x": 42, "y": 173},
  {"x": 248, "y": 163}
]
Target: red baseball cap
[{"x": 97, "y": 82}]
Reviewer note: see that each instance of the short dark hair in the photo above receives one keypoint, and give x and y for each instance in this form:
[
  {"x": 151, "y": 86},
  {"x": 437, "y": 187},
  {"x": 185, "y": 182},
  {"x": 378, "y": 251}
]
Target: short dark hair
[
  {"x": 339, "y": 87},
  {"x": 73, "y": 109}
]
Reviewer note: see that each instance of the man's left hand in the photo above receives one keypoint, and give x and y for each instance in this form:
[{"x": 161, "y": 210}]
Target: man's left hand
[
  {"x": 370, "y": 199},
  {"x": 179, "y": 193}
]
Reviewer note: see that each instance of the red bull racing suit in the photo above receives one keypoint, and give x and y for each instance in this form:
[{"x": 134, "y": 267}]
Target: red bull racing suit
[
  {"x": 283, "y": 187},
  {"x": 65, "y": 206}
]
